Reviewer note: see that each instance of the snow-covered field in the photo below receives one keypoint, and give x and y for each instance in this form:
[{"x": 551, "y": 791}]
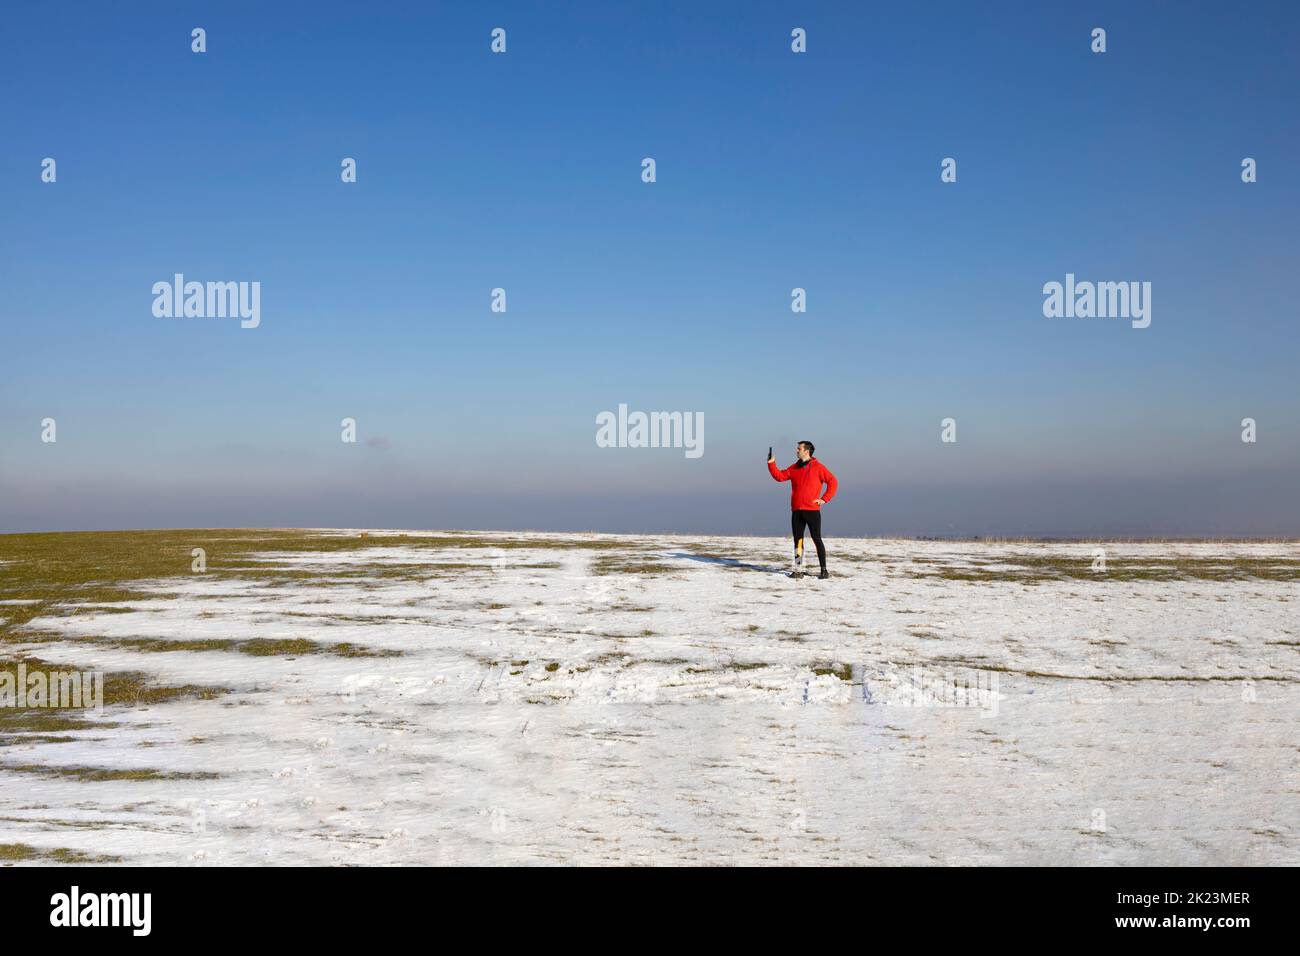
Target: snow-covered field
[{"x": 669, "y": 699}]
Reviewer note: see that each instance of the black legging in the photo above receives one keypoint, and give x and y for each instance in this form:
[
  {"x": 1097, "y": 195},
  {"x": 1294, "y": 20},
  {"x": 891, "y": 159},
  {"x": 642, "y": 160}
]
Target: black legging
[{"x": 812, "y": 520}]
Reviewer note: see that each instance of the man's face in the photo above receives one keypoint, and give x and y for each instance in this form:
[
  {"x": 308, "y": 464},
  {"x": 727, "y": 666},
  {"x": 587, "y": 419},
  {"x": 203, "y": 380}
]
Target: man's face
[{"x": 802, "y": 451}]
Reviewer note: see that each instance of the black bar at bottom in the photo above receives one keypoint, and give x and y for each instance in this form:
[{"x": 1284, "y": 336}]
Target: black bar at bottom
[{"x": 335, "y": 906}]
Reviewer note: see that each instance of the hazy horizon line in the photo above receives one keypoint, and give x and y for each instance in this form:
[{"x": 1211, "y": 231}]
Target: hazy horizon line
[{"x": 986, "y": 538}]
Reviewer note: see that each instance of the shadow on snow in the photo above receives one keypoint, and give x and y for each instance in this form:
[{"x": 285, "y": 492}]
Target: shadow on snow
[{"x": 727, "y": 562}]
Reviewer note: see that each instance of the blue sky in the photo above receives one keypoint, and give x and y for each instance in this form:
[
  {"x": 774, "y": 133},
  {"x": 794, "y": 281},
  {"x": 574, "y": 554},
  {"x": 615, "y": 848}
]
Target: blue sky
[{"x": 775, "y": 170}]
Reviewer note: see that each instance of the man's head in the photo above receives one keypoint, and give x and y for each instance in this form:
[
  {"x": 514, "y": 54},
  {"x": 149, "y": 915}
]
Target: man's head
[{"x": 804, "y": 450}]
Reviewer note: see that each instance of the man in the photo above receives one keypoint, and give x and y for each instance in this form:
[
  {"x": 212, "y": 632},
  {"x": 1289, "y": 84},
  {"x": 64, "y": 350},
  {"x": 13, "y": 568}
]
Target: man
[{"x": 806, "y": 477}]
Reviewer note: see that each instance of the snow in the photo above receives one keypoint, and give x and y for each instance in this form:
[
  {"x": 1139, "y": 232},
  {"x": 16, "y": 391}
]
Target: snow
[{"x": 714, "y": 714}]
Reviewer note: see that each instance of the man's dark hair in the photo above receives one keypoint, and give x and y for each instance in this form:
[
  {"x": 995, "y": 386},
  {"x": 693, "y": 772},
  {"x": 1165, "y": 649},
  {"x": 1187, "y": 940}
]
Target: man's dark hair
[{"x": 808, "y": 445}]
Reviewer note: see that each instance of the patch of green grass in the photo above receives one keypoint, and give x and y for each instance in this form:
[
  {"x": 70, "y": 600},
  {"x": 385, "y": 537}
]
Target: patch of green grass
[
  {"x": 17, "y": 852},
  {"x": 734, "y": 666},
  {"x": 102, "y": 774},
  {"x": 22, "y": 853},
  {"x": 10, "y": 740},
  {"x": 629, "y": 564},
  {"x": 159, "y": 645},
  {"x": 120, "y": 688},
  {"x": 101, "y": 567},
  {"x": 287, "y": 647},
  {"x": 44, "y": 721},
  {"x": 356, "y": 650},
  {"x": 609, "y": 657},
  {"x": 301, "y": 646},
  {"x": 64, "y": 855},
  {"x": 1036, "y": 569},
  {"x": 834, "y": 669},
  {"x": 255, "y": 647}
]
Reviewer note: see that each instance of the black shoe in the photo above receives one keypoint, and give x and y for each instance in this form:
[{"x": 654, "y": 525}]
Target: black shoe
[
  {"x": 796, "y": 574},
  {"x": 824, "y": 575}
]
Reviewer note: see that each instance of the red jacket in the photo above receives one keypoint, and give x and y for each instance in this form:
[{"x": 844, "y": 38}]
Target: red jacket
[{"x": 806, "y": 483}]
